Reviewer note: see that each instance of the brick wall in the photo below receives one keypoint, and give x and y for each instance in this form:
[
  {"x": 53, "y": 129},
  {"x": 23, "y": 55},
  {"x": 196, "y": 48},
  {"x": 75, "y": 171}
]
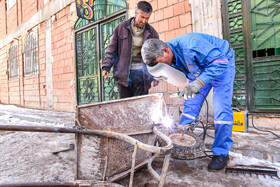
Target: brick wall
[
  {"x": 64, "y": 62},
  {"x": 42, "y": 64},
  {"x": 31, "y": 91},
  {"x": 3, "y": 76},
  {"x": 2, "y": 19},
  {"x": 29, "y": 8},
  {"x": 12, "y": 18}
]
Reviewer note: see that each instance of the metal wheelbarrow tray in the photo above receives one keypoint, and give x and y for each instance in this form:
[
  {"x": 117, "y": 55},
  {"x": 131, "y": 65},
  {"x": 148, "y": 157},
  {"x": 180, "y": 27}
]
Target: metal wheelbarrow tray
[
  {"x": 126, "y": 141},
  {"x": 113, "y": 139}
]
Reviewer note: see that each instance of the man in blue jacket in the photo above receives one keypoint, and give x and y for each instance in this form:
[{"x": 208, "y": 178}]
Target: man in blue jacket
[{"x": 208, "y": 62}]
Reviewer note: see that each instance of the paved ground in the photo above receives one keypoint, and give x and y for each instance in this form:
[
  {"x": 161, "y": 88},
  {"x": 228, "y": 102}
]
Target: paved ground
[
  {"x": 27, "y": 157},
  {"x": 249, "y": 150}
]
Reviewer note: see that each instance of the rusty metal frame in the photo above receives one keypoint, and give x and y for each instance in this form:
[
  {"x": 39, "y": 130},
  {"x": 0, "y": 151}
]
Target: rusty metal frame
[{"x": 166, "y": 150}]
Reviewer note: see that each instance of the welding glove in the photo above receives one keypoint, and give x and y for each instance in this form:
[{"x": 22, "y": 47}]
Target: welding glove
[{"x": 191, "y": 89}]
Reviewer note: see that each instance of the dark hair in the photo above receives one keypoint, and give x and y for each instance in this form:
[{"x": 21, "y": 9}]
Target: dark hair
[{"x": 144, "y": 6}]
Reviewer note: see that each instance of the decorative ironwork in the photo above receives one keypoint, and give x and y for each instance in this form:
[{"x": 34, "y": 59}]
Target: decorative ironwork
[
  {"x": 13, "y": 61},
  {"x": 87, "y": 66},
  {"x": 265, "y": 27},
  {"x": 235, "y": 22},
  {"x": 90, "y": 49},
  {"x": 257, "y": 79},
  {"x": 89, "y": 53},
  {"x": 265, "y": 30},
  {"x": 267, "y": 84},
  {"x": 239, "y": 54},
  {"x": 110, "y": 87},
  {"x": 236, "y": 40},
  {"x": 31, "y": 55},
  {"x": 235, "y": 7},
  {"x": 89, "y": 90},
  {"x": 81, "y": 22}
]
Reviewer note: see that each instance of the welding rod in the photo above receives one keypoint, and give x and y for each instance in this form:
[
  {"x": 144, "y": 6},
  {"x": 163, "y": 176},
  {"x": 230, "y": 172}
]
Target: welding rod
[{"x": 183, "y": 132}]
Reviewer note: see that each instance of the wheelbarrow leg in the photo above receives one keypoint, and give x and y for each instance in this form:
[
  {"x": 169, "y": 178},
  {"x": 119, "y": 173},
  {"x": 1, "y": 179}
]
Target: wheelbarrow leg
[
  {"x": 133, "y": 165},
  {"x": 164, "y": 170}
]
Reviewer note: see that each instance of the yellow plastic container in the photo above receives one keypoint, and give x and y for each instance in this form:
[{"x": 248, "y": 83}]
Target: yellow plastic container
[{"x": 240, "y": 121}]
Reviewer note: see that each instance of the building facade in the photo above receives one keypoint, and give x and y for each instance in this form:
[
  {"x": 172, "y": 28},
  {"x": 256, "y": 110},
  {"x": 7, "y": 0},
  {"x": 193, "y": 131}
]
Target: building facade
[{"x": 51, "y": 59}]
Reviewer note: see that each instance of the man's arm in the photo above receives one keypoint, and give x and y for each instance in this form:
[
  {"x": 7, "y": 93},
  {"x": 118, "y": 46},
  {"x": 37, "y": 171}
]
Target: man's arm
[
  {"x": 208, "y": 56},
  {"x": 214, "y": 70},
  {"x": 111, "y": 53}
]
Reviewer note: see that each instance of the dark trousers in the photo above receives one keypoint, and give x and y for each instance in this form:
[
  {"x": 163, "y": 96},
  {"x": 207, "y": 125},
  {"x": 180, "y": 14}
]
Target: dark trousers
[{"x": 136, "y": 85}]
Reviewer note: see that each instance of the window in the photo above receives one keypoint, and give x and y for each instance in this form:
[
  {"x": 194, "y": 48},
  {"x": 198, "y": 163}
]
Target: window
[
  {"x": 10, "y": 3},
  {"x": 13, "y": 61},
  {"x": 31, "y": 55}
]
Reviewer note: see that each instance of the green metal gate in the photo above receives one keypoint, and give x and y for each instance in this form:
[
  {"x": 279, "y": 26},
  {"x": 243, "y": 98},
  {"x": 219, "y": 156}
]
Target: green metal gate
[
  {"x": 91, "y": 42},
  {"x": 253, "y": 29}
]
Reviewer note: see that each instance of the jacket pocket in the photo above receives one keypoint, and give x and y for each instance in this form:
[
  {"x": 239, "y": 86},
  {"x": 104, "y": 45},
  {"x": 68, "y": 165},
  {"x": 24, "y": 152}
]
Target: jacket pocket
[{"x": 123, "y": 36}]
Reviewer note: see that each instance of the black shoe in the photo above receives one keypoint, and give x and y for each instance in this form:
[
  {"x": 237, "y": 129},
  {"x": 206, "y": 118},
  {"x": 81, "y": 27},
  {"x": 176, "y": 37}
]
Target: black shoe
[{"x": 218, "y": 163}]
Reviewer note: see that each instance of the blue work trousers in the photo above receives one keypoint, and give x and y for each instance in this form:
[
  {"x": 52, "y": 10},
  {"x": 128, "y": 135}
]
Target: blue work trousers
[{"x": 222, "y": 104}]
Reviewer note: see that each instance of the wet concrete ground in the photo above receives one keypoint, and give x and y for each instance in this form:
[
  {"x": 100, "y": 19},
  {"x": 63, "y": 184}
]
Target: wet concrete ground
[
  {"x": 32, "y": 155},
  {"x": 251, "y": 150}
]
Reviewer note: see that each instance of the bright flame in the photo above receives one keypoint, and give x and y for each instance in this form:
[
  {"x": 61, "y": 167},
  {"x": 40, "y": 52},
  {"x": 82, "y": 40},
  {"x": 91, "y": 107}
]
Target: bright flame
[
  {"x": 167, "y": 121},
  {"x": 157, "y": 115}
]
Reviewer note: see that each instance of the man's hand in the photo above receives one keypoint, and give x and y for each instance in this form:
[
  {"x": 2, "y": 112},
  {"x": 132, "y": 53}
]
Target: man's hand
[
  {"x": 155, "y": 83},
  {"x": 191, "y": 89},
  {"x": 105, "y": 74}
]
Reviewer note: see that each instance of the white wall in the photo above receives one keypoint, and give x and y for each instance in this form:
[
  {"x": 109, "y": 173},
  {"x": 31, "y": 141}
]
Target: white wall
[{"x": 207, "y": 18}]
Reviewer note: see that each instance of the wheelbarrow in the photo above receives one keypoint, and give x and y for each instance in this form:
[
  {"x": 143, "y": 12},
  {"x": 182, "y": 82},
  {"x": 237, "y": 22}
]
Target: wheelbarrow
[
  {"x": 126, "y": 140},
  {"x": 113, "y": 139}
]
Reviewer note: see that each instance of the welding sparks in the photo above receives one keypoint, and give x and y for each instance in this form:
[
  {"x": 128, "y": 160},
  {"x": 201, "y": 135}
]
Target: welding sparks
[
  {"x": 167, "y": 121},
  {"x": 159, "y": 118}
]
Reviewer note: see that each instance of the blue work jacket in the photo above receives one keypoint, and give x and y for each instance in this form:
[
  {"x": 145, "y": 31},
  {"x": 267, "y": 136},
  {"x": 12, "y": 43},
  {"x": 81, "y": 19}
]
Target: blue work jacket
[{"x": 200, "y": 55}]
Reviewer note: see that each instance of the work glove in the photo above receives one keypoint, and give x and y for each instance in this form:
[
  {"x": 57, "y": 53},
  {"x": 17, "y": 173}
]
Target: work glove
[{"x": 191, "y": 89}]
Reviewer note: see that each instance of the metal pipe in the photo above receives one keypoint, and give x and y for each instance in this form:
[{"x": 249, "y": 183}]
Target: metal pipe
[
  {"x": 152, "y": 171},
  {"x": 53, "y": 184},
  {"x": 164, "y": 170},
  {"x": 137, "y": 144},
  {"x": 183, "y": 132},
  {"x": 125, "y": 173},
  {"x": 153, "y": 149},
  {"x": 166, "y": 149},
  {"x": 160, "y": 178},
  {"x": 265, "y": 115},
  {"x": 133, "y": 166}
]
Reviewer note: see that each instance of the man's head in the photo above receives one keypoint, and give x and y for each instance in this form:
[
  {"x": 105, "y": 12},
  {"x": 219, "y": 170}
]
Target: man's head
[
  {"x": 156, "y": 51},
  {"x": 142, "y": 13}
]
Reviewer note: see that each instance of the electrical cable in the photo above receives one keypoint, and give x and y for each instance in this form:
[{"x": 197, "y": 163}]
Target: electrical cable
[
  {"x": 205, "y": 129},
  {"x": 263, "y": 130},
  {"x": 207, "y": 126},
  {"x": 206, "y": 155}
]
